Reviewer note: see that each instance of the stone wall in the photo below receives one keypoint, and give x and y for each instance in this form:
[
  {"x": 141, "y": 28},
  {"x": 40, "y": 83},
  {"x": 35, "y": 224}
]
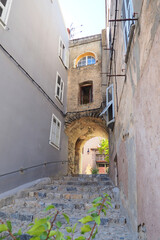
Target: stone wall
[{"x": 83, "y": 74}]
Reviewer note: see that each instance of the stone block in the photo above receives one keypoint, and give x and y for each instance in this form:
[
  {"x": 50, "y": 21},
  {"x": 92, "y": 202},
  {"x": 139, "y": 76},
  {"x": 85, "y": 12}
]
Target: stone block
[
  {"x": 41, "y": 194},
  {"x": 22, "y": 217},
  {"x": 31, "y": 194},
  {"x": 71, "y": 189},
  {"x": 57, "y": 195},
  {"x": 88, "y": 206},
  {"x": 50, "y": 195},
  {"x": 67, "y": 196},
  {"x": 76, "y": 196}
]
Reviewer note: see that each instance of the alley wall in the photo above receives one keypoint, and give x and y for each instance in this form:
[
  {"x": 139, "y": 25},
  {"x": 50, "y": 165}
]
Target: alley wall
[
  {"x": 134, "y": 141},
  {"x": 29, "y": 63}
]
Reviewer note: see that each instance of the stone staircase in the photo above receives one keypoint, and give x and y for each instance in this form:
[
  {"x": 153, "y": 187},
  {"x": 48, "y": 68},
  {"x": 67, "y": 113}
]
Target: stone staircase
[{"x": 72, "y": 195}]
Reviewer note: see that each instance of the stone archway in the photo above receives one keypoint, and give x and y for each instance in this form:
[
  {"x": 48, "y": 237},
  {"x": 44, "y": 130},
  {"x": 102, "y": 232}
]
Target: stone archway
[{"x": 79, "y": 132}]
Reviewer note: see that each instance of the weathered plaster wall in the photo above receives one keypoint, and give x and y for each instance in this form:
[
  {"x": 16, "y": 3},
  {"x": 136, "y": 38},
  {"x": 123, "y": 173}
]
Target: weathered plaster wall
[
  {"x": 135, "y": 140},
  {"x": 147, "y": 114}
]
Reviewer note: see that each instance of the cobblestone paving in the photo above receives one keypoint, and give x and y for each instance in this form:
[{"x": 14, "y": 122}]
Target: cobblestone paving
[{"x": 72, "y": 195}]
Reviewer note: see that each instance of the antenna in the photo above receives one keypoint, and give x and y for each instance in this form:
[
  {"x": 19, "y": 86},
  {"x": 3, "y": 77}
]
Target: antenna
[{"x": 75, "y": 30}]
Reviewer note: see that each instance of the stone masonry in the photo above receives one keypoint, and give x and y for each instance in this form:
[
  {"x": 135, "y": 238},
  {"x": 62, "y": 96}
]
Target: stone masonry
[{"x": 72, "y": 195}]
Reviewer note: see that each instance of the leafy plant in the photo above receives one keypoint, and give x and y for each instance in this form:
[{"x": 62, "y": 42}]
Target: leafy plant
[
  {"x": 94, "y": 170},
  {"x": 48, "y": 228},
  {"x": 104, "y": 149}
]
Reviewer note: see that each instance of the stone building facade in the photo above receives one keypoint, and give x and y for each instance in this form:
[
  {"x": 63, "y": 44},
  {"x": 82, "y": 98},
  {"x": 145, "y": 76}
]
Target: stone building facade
[
  {"x": 33, "y": 46},
  {"x": 85, "y": 97},
  {"x": 134, "y": 71}
]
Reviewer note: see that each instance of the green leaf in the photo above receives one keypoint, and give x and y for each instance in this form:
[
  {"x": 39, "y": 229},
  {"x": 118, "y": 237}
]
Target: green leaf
[
  {"x": 97, "y": 204},
  {"x": 68, "y": 238},
  {"x": 107, "y": 202},
  {"x": 34, "y": 238},
  {"x": 104, "y": 211},
  {"x": 85, "y": 228},
  {"x": 105, "y": 195},
  {"x": 92, "y": 209},
  {"x": 59, "y": 235},
  {"x": 31, "y": 224},
  {"x": 59, "y": 224},
  {"x": 49, "y": 207},
  {"x": 81, "y": 238},
  {"x": 97, "y": 199},
  {"x": 19, "y": 232},
  {"x": 97, "y": 220},
  {"x": 52, "y": 233},
  {"x": 3, "y": 228},
  {"x": 66, "y": 217},
  {"x": 94, "y": 215},
  {"x": 94, "y": 234},
  {"x": 74, "y": 227},
  {"x": 36, "y": 231},
  {"x": 86, "y": 219},
  {"x": 69, "y": 229},
  {"x": 9, "y": 225},
  {"x": 43, "y": 236}
]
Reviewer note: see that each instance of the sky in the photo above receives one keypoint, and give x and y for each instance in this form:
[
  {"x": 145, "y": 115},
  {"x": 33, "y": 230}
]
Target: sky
[{"x": 88, "y": 13}]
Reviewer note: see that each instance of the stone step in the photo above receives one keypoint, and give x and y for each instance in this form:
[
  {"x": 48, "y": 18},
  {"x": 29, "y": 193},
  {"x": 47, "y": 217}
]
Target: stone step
[
  {"x": 27, "y": 214},
  {"x": 72, "y": 195},
  {"x": 84, "y": 183},
  {"x": 89, "y": 178}
]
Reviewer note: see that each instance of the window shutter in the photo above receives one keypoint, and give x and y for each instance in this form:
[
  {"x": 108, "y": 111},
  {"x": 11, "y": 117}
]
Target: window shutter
[
  {"x": 59, "y": 88},
  {"x": 109, "y": 109},
  {"x": 127, "y": 12},
  {"x": 110, "y": 104},
  {"x": 5, "y": 6},
  {"x": 55, "y": 132},
  {"x": 67, "y": 58},
  {"x": 60, "y": 48}
]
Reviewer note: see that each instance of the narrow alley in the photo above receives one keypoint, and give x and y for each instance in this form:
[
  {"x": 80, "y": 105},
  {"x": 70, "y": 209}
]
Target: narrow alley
[{"x": 71, "y": 195}]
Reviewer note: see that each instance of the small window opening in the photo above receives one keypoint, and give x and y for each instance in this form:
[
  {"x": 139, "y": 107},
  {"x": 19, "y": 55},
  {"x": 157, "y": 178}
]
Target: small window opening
[{"x": 86, "y": 94}]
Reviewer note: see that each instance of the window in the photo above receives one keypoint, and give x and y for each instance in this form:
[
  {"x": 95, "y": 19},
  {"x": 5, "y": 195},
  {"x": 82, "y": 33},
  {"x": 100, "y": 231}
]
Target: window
[
  {"x": 55, "y": 131},
  {"x": 109, "y": 109},
  {"x": 87, "y": 60},
  {"x": 86, "y": 93},
  {"x": 63, "y": 53},
  {"x": 127, "y": 12},
  {"x": 4, "y": 10},
  {"x": 59, "y": 88}
]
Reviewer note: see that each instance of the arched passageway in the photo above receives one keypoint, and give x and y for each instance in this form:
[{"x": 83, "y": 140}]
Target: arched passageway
[{"x": 79, "y": 132}]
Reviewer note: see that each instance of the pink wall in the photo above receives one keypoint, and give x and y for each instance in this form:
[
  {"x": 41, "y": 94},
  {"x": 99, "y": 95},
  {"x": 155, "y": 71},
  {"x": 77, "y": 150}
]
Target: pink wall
[{"x": 147, "y": 119}]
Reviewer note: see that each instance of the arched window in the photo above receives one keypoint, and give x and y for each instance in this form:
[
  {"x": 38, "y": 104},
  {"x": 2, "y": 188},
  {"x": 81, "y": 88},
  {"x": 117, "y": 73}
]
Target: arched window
[
  {"x": 88, "y": 60},
  {"x": 85, "y": 59}
]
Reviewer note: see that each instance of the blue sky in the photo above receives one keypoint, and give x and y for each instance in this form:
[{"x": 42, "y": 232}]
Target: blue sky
[{"x": 89, "y": 13}]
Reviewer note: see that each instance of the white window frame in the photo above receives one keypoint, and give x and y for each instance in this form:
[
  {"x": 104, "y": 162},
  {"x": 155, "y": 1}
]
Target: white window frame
[
  {"x": 63, "y": 53},
  {"x": 55, "y": 132},
  {"x": 109, "y": 103},
  {"x": 60, "y": 87},
  {"x": 5, "y": 12},
  {"x": 127, "y": 24},
  {"x": 86, "y": 61}
]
